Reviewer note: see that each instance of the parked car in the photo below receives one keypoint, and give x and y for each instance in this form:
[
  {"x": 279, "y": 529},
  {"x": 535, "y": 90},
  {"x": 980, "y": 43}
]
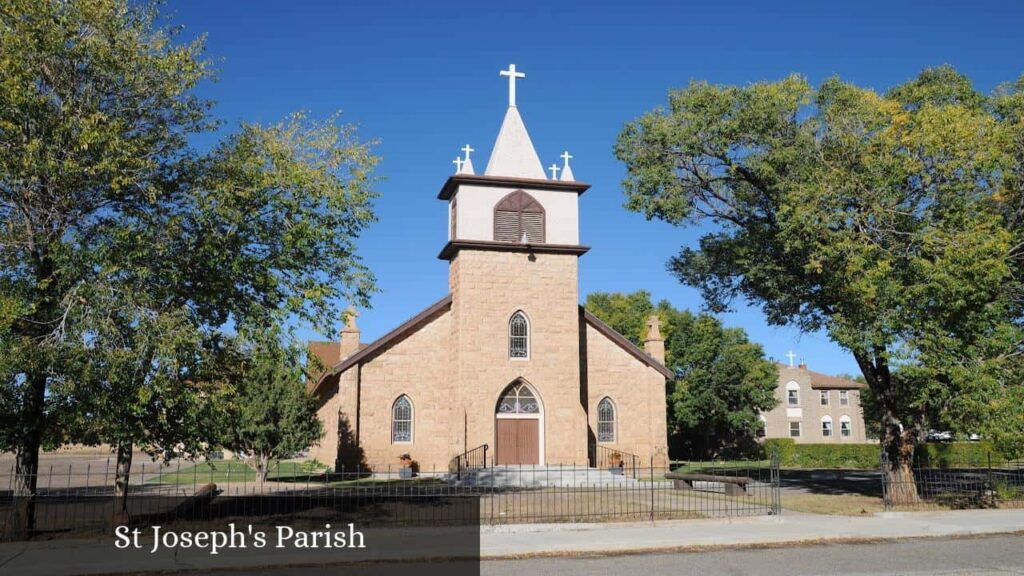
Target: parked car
[{"x": 939, "y": 436}]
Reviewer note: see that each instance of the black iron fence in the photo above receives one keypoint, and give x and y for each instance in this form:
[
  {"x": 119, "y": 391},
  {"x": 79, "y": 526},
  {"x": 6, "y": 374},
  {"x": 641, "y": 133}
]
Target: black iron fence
[
  {"x": 76, "y": 500},
  {"x": 958, "y": 482}
]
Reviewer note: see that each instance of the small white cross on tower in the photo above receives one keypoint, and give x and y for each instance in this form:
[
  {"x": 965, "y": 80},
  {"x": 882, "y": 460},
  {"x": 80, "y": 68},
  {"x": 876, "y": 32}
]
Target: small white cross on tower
[
  {"x": 467, "y": 150},
  {"x": 512, "y": 76},
  {"x": 566, "y": 157},
  {"x": 554, "y": 171},
  {"x": 791, "y": 356},
  {"x": 458, "y": 165}
]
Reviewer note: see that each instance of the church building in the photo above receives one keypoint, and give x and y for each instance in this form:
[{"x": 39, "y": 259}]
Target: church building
[{"x": 508, "y": 358}]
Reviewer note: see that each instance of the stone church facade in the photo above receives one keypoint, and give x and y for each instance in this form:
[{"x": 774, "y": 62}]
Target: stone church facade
[{"x": 508, "y": 357}]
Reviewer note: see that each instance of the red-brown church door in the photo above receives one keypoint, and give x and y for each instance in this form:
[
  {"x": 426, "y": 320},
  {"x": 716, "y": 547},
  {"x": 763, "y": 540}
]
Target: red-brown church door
[{"x": 518, "y": 441}]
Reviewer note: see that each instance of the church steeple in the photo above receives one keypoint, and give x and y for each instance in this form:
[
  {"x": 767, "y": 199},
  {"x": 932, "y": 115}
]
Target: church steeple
[
  {"x": 489, "y": 211},
  {"x": 513, "y": 154}
]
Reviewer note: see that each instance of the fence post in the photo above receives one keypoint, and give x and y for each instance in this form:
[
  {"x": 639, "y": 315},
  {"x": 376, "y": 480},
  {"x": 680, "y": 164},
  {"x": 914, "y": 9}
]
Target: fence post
[
  {"x": 651, "y": 482},
  {"x": 776, "y": 476},
  {"x": 884, "y": 469},
  {"x": 991, "y": 484}
]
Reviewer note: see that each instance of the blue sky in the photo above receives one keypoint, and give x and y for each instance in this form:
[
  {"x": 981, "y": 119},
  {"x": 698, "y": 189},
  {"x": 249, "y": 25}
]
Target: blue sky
[{"x": 423, "y": 78}]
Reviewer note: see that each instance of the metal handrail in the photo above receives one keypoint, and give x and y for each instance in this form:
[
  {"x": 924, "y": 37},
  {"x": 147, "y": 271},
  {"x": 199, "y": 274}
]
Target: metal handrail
[{"x": 472, "y": 459}]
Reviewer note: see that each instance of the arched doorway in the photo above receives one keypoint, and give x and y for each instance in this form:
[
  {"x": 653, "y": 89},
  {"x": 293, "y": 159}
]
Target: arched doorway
[{"x": 519, "y": 426}]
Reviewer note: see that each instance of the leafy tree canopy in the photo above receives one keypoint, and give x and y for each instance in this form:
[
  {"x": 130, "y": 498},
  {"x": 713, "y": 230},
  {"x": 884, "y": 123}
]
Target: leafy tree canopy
[
  {"x": 124, "y": 251},
  {"x": 878, "y": 218}
]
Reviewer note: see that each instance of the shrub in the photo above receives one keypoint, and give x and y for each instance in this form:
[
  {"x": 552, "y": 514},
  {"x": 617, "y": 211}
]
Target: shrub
[
  {"x": 793, "y": 455},
  {"x": 868, "y": 456}
]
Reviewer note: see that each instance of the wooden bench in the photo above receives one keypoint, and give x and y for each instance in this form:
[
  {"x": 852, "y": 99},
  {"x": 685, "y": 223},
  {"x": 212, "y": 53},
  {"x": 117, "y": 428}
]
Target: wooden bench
[{"x": 734, "y": 485}]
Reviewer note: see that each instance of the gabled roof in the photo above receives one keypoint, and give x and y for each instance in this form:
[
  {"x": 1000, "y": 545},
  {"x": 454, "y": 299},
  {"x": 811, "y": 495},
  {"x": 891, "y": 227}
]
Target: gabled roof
[
  {"x": 820, "y": 381},
  {"x": 625, "y": 344},
  {"x": 366, "y": 353}
]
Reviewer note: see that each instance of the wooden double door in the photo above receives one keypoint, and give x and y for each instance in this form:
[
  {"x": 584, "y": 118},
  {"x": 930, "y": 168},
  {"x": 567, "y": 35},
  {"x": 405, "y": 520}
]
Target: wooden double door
[{"x": 518, "y": 441}]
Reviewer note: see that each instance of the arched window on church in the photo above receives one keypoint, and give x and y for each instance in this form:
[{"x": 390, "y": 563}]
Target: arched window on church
[
  {"x": 519, "y": 218},
  {"x": 401, "y": 420},
  {"x": 606, "y": 421},
  {"x": 518, "y": 336}
]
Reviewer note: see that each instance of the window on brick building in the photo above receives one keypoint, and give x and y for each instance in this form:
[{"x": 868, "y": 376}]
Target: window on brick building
[
  {"x": 518, "y": 336},
  {"x": 845, "y": 426},
  {"x": 401, "y": 420},
  {"x": 606, "y": 421}
]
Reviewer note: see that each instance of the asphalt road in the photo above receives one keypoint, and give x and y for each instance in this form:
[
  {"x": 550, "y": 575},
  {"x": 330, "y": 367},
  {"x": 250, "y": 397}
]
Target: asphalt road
[{"x": 988, "y": 555}]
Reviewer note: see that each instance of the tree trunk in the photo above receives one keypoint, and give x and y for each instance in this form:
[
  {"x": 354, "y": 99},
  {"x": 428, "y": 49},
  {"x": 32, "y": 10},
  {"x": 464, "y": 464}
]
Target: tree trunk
[
  {"x": 262, "y": 467},
  {"x": 122, "y": 477},
  {"x": 26, "y": 471},
  {"x": 900, "y": 485},
  {"x": 898, "y": 441}
]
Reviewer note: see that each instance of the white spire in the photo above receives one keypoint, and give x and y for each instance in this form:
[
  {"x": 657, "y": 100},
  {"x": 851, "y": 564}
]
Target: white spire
[
  {"x": 467, "y": 164},
  {"x": 567, "y": 175},
  {"x": 513, "y": 153}
]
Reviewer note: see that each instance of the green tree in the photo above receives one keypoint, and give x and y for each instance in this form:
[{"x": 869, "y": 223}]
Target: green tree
[
  {"x": 873, "y": 217},
  {"x": 723, "y": 380},
  {"x": 273, "y": 416},
  {"x": 100, "y": 190}
]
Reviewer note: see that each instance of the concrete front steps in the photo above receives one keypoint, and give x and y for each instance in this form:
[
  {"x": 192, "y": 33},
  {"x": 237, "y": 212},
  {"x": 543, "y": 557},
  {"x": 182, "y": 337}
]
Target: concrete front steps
[{"x": 539, "y": 477}]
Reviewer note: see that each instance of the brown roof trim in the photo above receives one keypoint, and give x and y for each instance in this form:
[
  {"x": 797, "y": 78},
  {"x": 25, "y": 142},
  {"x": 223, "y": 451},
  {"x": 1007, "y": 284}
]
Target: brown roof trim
[
  {"x": 457, "y": 180},
  {"x": 453, "y": 247},
  {"x": 401, "y": 331},
  {"x": 625, "y": 344}
]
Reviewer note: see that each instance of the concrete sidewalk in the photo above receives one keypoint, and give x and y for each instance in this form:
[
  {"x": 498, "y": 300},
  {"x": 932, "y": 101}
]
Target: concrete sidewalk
[
  {"x": 96, "y": 557},
  {"x": 790, "y": 528}
]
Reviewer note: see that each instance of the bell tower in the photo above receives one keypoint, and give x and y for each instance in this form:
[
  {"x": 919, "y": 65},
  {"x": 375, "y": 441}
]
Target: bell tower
[{"x": 513, "y": 249}]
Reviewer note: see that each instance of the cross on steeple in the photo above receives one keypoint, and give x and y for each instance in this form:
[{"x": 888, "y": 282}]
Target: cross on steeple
[
  {"x": 791, "y": 356},
  {"x": 512, "y": 76},
  {"x": 565, "y": 157},
  {"x": 467, "y": 150},
  {"x": 458, "y": 165},
  {"x": 554, "y": 171}
]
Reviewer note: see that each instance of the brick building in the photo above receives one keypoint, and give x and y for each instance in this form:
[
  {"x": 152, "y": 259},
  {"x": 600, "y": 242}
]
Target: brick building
[
  {"x": 815, "y": 408},
  {"x": 507, "y": 357}
]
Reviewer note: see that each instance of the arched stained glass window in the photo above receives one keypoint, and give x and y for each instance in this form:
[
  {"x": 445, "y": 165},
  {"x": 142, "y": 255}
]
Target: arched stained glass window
[
  {"x": 518, "y": 336},
  {"x": 606, "y": 421},
  {"x": 518, "y": 399},
  {"x": 401, "y": 420}
]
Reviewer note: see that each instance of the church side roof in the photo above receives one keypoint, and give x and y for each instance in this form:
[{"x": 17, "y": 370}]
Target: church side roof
[
  {"x": 403, "y": 330},
  {"x": 625, "y": 344},
  {"x": 326, "y": 352}
]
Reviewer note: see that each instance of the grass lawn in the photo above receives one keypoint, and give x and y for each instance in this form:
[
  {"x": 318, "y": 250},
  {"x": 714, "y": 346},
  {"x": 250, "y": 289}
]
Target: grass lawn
[
  {"x": 222, "y": 471},
  {"x": 837, "y": 504}
]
